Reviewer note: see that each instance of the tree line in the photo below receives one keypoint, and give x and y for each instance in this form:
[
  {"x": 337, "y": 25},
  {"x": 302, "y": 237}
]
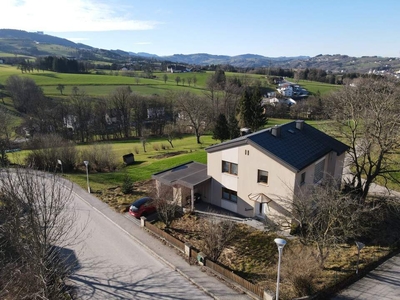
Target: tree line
[{"x": 124, "y": 113}]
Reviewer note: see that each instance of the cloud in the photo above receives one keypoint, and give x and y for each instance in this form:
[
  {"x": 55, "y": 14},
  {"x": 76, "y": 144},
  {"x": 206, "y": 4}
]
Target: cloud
[
  {"x": 68, "y": 16},
  {"x": 143, "y": 43}
]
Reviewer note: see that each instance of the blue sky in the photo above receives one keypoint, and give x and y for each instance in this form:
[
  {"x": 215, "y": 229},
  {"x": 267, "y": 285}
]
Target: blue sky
[{"x": 264, "y": 27}]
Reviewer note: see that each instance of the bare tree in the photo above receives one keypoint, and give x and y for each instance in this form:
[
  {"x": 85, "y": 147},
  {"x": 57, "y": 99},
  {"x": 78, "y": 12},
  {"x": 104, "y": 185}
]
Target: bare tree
[
  {"x": 367, "y": 114},
  {"x": 167, "y": 205},
  {"x": 38, "y": 224},
  {"x": 177, "y": 79},
  {"x": 189, "y": 80},
  {"x": 323, "y": 216},
  {"x": 183, "y": 81},
  {"x": 122, "y": 101},
  {"x": 81, "y": 114},
  {"x": 171, "y": 132},
  {"x": 193, "y": 111},
  {"x": 25, "y": 94},
  {"x": 217, "y": 236}
]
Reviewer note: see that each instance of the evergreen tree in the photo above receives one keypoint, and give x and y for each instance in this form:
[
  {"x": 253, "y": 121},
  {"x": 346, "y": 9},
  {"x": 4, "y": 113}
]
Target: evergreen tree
[
  {"x": 233, "y": 125},
  {"x": 221, "y": 129},
  {"x": 251, "y": 112}
]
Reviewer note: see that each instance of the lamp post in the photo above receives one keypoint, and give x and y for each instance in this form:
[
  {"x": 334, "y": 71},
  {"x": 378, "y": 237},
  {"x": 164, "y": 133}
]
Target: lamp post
[
  {"x": 87, "y": 174},
  {"x": 280, "y": 243},
  {"x": 359, "y": 247},
  {"x": 60, "y": 163}
]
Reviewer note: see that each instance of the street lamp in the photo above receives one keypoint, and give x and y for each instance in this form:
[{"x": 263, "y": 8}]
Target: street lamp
[
  {"x": 59, "y": 162},
  {"x": 280, "y": 243},
  {"x": 86, "y": 162},
  {"x": 359, "y": 247}
]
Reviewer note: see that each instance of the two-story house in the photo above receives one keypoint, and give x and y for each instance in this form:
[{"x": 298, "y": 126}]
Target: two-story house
[{"x": 252, "y": 175}]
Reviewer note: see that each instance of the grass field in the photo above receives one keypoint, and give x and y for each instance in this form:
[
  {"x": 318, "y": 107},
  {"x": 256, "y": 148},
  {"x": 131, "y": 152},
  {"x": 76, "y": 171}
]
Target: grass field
[
  {"x": 314, "y": 87},
  {"x": 98, "y": 85}
]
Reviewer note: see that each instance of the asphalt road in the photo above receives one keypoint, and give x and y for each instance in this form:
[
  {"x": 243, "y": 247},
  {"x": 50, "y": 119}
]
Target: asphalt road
[{"x": 111, "y": 265}]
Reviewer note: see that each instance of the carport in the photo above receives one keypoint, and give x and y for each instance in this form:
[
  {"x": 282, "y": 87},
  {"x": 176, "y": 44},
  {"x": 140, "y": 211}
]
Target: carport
[{"x": 185, "y": 180}]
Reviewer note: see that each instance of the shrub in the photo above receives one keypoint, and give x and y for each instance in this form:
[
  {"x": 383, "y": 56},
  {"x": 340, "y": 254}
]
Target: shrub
[
  {"x": 136, "y": 149},
  {"x": 300, "y": 269},
  {"x": 48, "y": 149},
  {"x": 156, "y": 147},
  {"x": 127, "y": 184},
  {"x": 165, "y": 147},
  {"x": 101, "y": 157}
]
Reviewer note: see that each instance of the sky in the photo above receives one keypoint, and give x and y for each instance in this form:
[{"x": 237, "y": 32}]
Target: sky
[{"x": 266, "y": 27}]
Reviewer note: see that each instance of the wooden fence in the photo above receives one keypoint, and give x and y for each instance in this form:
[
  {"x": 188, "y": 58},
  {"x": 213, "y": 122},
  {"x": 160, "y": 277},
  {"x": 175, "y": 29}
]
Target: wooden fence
[
  {"x": 255, "y": 289},
  {"x": 259, "y": 291},
  {"x": 169, "y": 238}
]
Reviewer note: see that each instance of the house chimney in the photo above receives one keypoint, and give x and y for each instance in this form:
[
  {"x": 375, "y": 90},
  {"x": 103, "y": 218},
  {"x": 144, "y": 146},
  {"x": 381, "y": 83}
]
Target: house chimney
[
  {"x": 299, "y": 124},
  {"x": 276, "y": 131}
]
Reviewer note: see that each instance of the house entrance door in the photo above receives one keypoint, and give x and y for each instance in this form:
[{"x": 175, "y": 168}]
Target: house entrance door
[{"x": 262, "y": 210}]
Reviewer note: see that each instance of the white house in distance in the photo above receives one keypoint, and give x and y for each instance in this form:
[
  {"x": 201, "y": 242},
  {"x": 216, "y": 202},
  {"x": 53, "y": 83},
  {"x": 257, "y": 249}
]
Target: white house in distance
[{"x": 252, "y": 174}]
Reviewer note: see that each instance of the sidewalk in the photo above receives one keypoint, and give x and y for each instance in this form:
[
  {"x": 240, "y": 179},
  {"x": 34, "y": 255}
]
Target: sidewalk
[{"x": 209, "y": 284}]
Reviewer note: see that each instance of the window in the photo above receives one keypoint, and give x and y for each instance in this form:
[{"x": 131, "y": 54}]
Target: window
[
  {"x": 262, "y": 176},
  {"x": 229, "y": 195},
  {"x": 228, "y": 167},
  {"x": 303, "y": 178},
  {"x": 319, "y": 171}
]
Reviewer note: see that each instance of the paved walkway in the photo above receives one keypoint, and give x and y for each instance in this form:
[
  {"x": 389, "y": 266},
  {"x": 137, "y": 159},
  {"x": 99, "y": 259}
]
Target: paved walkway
[
  {"x": 209, "y": 284},
  {"x": 382, "y": 283}
]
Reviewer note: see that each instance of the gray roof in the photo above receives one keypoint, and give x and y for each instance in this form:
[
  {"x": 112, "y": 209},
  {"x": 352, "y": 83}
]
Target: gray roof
[
  {"x": 296, "y": 148},
  {"x": 189, "y": 174}
]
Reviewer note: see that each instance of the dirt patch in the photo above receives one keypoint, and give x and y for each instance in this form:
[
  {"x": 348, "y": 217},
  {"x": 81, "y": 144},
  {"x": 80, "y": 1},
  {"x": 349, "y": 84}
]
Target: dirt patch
[
  {"x": 169, "y": 154},
  {"x": 119, "y": 201}
]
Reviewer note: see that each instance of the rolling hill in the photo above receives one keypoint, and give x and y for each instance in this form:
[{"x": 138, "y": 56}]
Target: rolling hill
[{"x": 38, "y": 44}]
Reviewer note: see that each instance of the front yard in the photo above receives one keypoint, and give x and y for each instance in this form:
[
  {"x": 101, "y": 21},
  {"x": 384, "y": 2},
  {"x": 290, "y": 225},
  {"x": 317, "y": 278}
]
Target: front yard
[{"x": 253, "y": 255}]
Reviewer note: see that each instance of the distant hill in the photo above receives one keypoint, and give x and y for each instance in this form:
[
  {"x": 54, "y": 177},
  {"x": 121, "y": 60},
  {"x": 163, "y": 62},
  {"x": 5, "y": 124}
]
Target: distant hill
[{"x": 36, "y": 44}]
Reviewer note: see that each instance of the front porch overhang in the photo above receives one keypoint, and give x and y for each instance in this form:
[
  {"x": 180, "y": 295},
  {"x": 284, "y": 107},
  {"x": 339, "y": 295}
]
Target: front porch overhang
[{"x": 189, "y": 175}]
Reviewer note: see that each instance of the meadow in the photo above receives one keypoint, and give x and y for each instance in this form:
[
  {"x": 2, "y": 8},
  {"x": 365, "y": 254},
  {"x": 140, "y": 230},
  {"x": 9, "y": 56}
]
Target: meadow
[
  {"x": 104, "y": 84},
  {"x": 315, "y": 87}
]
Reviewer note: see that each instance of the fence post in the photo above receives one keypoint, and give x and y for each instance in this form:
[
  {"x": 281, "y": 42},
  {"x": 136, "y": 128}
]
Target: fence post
[
  {"x": 143, "y": 221},
  {"x": 187, "y": 249},
  {"x": 268, "y": 296}
]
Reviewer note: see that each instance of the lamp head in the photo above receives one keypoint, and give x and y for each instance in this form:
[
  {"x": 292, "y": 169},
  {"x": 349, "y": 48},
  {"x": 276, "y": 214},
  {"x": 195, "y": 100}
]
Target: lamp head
[
  {"x": 86, "y": 162},
  {"x": 280, "y": 243},
  {"x": 360, "y": 245}
]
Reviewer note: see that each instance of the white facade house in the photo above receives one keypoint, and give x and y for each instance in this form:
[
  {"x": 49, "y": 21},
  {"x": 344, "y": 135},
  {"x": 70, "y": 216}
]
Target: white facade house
[
  {"x": 253, "y": 174},
  {"x": 257, "y": 174}
]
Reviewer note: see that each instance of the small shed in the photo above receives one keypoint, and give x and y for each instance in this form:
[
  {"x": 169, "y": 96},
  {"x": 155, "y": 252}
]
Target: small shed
[{"x": 129, "y": 159}]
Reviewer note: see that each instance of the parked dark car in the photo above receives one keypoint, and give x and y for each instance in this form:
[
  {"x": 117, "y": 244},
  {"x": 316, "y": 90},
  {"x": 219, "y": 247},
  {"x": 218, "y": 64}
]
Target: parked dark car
[{"x": 142, "y": 207}]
